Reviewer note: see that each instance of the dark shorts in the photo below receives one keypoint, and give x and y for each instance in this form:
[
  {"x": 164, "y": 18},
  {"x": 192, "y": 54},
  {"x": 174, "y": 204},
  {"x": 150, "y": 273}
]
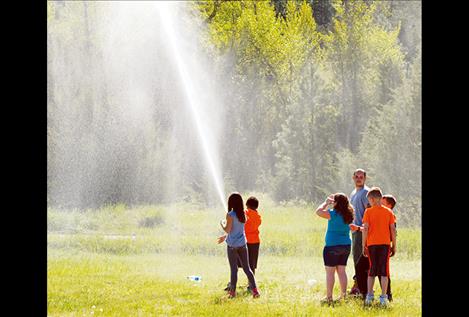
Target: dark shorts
[
  {"x": 362, "y": 268},
  {"x": 253, "y": 254},
  {"x": 336, "y": 255},
  {"x": 379, "y": 260}
]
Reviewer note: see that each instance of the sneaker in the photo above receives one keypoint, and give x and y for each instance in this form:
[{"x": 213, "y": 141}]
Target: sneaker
[
  {"x": 228, "y": 287},
  {"x": 383, "y": 300},
  {"x": 369, "y": 299},
  {"x": 231, "y": 294},
  {"x": 255, "y": 293}
]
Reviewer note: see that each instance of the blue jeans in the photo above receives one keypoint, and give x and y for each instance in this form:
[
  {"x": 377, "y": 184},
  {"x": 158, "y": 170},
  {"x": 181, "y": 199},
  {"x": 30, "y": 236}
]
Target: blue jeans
[{"x": 242, "y": 253}]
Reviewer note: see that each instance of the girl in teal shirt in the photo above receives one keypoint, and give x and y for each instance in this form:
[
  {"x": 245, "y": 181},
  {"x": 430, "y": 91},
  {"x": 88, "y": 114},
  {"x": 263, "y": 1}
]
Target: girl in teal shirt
[{"x": 337, "y": 248}]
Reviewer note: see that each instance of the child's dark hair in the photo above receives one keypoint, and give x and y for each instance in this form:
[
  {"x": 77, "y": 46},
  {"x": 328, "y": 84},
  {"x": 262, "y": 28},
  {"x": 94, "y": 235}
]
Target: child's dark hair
[
  {"x": 252, "y": 202},
  {"x": 390, "y": 200},
  {"x": 235, "y": 202},
  {"x": 343, "y": 207}
]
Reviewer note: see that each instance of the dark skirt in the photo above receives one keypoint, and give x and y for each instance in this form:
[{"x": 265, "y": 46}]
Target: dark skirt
[{"x": 336, "y": 255}]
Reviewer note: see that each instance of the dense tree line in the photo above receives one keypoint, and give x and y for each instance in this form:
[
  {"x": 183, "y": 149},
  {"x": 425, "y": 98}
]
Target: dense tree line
[
  {"x": 338, "y": 86},
  {"x": 312, "y": 90}
]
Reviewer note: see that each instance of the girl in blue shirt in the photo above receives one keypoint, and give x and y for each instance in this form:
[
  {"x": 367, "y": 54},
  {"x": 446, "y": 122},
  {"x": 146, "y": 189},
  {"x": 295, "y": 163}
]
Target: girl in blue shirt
[
  {"x": 236, "y": 244},
  {"x": 337, "y": 248}
]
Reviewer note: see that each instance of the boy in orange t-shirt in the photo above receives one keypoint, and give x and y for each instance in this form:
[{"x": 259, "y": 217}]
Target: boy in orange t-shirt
[
  {"x": 379, "y": 241},
  {"x": 251, "y": 228}
]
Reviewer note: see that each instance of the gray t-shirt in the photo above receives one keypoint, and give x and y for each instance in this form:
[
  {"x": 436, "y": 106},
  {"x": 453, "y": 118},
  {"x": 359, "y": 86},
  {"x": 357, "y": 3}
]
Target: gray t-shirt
[{"x": 359, "y": 202}]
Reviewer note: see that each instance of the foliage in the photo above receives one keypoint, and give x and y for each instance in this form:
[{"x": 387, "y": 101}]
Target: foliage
[{"x": 311, "y": 91}]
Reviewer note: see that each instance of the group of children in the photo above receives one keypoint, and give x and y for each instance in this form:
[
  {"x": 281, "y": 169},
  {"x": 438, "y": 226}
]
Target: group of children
[{"x": 378, "y": 243}]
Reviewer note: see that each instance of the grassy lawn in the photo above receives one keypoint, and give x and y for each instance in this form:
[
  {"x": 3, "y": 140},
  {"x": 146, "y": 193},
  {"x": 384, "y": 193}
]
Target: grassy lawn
[{"x": 96, "y": 267}]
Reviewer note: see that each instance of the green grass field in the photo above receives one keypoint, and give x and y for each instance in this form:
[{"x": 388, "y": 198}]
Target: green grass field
[{"x": 119, "y": 261}]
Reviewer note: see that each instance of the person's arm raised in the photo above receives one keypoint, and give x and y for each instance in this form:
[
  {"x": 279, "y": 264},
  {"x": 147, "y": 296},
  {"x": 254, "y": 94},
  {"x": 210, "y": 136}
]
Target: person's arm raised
[{"x": 322, "y": 209}]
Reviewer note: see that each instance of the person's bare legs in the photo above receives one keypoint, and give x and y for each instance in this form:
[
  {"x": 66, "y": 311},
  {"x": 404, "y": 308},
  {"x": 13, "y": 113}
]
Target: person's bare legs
[
  {"x": 342, "y": 279},
  {"x": 384, "y": 285},
  {"x": 371, "y": 283},
  {"x": 330, "y": 279}
]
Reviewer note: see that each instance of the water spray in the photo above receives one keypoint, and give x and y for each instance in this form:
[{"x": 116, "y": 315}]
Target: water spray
[{"x": 164, "y": 10}]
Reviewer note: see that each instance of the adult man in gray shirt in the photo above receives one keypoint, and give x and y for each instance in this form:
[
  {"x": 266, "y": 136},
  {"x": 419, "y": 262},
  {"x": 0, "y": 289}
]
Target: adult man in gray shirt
[{"x": 359, "y": 202}]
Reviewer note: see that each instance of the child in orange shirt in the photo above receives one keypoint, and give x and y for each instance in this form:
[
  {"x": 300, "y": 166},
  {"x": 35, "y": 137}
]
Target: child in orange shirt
[
  {"x": 379, "y": 241},
  {"x": 252, "y": 231}
]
